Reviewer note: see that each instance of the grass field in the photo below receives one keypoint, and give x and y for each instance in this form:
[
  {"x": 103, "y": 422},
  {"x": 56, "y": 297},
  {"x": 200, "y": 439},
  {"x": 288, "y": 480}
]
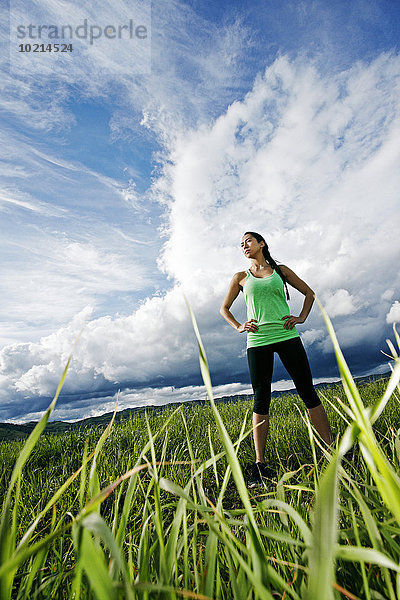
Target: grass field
[{"x": 156, "y": 506}]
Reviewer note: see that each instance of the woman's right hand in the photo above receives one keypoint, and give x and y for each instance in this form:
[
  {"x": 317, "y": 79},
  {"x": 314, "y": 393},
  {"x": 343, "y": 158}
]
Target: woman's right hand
[{"x": 248, "y": 326}]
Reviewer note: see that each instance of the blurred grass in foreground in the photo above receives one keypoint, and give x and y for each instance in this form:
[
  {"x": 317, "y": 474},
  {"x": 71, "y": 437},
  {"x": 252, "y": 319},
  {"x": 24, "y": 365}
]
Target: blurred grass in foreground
[{"x": 157, "y": 507}]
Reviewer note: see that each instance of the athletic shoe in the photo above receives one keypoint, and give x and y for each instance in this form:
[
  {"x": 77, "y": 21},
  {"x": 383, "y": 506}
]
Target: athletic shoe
[{"x": 257, "y": 472}]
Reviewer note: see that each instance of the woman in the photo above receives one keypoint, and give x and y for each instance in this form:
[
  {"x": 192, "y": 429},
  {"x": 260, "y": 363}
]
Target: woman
[{"x": 270, "y": 328}]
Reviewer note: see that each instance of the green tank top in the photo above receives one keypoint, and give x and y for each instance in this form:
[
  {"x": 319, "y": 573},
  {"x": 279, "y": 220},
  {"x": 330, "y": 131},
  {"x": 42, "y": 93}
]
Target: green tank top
[{"x": 266, "y": 303}]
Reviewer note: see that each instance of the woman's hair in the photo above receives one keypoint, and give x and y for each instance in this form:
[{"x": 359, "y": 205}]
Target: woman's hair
[{"x": 269, "y": 258}]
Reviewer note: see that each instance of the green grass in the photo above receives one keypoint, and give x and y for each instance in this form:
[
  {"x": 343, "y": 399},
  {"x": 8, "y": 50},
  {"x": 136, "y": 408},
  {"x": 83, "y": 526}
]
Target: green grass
[{"x": 156, "y": 506}]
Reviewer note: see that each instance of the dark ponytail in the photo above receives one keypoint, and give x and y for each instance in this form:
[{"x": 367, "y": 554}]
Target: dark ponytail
[{"x": 269, "y": 259}]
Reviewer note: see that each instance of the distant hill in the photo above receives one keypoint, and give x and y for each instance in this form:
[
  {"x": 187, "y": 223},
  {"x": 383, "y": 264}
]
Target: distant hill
[{"x": 11, "y": 431}]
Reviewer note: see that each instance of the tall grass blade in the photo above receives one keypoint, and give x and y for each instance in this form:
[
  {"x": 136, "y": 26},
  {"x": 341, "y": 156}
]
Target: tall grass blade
[
  {"x": 324, "y": 535},
  {"x": 391, "y": 386},
  {"x": 94, "y": 486},
  {"x": 92, "y": 561},
  {"x": 97, "y": 526},
  {"x": 368, "y": 555}
]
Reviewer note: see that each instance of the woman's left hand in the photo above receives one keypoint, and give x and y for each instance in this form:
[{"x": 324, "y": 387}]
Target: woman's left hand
[{"x": 291, "y": 321}]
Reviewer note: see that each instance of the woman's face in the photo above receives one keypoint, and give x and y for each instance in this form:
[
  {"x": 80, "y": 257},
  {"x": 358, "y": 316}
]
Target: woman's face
[{"x": 250, "y": 246}]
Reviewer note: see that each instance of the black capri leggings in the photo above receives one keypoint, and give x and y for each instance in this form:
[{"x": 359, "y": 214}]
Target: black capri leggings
[{"x": 294, "y": 359}]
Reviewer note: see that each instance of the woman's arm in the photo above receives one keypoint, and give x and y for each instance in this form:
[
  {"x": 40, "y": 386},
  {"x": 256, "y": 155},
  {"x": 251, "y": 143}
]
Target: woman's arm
[
  {"x": 298, "y": 284},
  {"x": 232, "y": 294}
]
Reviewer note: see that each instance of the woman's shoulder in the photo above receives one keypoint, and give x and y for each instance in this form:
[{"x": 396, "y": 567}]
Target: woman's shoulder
[
  {"x": 239, "y": 276},
  {"x": 287, "y": 272},
  {"x": 284, "y": 268}
]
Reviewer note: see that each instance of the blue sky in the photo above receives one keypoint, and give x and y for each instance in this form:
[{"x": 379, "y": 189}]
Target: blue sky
[{"x": 127, "y": 181}]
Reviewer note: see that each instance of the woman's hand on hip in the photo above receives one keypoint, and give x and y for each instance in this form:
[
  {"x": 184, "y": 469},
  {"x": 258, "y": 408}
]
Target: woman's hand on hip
[
  {"x": 248, "y": 326},
  {"x": 291, "y": 321}
]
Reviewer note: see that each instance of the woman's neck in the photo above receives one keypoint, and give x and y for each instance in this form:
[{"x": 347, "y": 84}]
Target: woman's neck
[{"x": 258, "y": 263}]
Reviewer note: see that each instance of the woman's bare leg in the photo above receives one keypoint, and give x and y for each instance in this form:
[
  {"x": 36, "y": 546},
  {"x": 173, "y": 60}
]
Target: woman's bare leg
[
  {"x": 320, "y": 421},
  {"x": 260, "y": 435}
]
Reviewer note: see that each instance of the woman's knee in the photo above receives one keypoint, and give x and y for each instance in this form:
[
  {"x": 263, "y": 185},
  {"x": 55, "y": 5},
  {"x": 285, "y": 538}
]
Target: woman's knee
[
  {"x": 311, "y": 400},
  {"x": 261, "y": 405}
]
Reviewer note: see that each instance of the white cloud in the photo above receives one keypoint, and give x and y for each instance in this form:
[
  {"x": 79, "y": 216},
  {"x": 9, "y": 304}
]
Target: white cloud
[
  {"x": 393, "y": 315},
  {"x": 11, "y": 199},
  {"x": 310, "y": 336},
  {"x": 338, "y": 303}
]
